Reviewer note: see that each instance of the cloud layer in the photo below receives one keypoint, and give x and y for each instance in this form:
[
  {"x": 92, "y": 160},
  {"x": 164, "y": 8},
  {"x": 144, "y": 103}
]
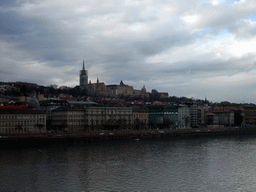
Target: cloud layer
[{"x": 187, "y": 48}]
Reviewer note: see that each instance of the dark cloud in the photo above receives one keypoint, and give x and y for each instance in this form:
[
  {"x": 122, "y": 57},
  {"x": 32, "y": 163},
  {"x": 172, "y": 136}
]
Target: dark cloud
[{"x": 12, "y": 24}]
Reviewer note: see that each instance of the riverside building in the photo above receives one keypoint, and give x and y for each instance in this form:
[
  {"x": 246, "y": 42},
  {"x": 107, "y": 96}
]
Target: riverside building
[
  {"x": 163, "y": 116},
  {"x": 92, "y": 118},
  {"x": 184, "y": 117},
  {"x": 140, "y": 117},
  {"x": 68, "y": 119},
  {"x": 100, "y": 117},
  {"x": 20, "y": 120}
]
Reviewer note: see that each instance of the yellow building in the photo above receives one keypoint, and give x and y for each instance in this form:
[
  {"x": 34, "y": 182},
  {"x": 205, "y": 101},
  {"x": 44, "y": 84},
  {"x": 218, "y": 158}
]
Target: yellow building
[{"x": 100, "y": 117}]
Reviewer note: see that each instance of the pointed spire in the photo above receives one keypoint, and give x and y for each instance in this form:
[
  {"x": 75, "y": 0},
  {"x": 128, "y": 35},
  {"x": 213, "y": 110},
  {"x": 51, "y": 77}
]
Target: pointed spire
[
  {"x": 97, "y": 79},
  {"x": 83, "y": 65}
]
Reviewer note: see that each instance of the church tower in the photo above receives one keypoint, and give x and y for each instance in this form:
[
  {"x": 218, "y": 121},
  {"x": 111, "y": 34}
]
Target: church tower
[{"x": 83, "y": 78}]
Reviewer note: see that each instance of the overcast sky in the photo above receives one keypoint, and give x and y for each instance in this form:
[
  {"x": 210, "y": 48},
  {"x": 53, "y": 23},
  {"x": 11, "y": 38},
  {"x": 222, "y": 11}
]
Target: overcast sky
[{"x": 191, "y": 48}]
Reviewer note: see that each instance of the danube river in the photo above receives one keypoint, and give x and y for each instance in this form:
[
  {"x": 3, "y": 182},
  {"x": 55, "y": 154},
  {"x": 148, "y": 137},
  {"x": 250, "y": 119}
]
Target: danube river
[{"x": 161, "y": 164}]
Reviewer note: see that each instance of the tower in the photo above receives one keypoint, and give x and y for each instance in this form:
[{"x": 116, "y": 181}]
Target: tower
[{"x": 83, "y": 78}]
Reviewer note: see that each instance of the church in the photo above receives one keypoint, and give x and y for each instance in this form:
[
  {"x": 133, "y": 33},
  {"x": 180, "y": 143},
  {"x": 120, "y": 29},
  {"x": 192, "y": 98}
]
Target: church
[
  {"x": 109, "y": 90},
  {"x": 83, "y": 78}
]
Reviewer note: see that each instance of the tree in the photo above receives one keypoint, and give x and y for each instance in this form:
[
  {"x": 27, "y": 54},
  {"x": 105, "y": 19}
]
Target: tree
[
  {"x": 167, "y": 123},
  {"x": 40, "y": 126}
]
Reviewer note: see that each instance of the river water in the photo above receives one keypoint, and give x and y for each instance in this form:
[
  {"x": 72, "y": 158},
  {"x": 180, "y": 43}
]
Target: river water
[{"x": 163, "y": 164}]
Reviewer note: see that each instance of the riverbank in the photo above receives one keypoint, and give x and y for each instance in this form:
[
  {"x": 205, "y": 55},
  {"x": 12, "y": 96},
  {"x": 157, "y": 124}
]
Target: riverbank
[{"x": 30, "y": 140}]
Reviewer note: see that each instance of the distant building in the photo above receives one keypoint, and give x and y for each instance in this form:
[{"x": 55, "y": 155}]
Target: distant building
[
  {"x": 160, "y": 95},
  {"x": 184, "y": 117},
  {"x": 9, "y": 89},
  {"x": 202, "y": 110},
  {"x": 121, "y": 89},
  {"x": 141, "y": 93},
  {"x": 83, "y": 78},
  {"x": 194, "y": 115},
  {"x": 126, "y": 90},
  {"x": 92, "y": 118},
  {"x": 20, "y": 119},
  {"x": 220, "y": 117},
  {"x": 245, "y": 114},
  {"x": 68, "y": 119},
  {"x": 97, "y": 88},
  {"x": 5, "y": 98},
  {"x": 163, "y": 116},
  {"x": 140, "y": 117},
  {"x": 29, "y": 85},
  {"x": 99, "y": 117},
  {"x": 48, "y": 106}
]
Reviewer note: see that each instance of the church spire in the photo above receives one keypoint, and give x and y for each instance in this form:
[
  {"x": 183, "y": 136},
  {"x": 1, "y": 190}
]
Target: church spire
[{"x": 83, "y": 77}]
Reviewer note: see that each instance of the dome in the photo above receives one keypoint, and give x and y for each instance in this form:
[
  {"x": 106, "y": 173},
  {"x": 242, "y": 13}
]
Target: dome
[{"x": 33, "y": 102}]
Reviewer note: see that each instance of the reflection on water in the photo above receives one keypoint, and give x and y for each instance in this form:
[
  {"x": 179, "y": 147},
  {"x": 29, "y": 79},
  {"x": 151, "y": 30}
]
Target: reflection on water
[{"x": 188, "y": 164}]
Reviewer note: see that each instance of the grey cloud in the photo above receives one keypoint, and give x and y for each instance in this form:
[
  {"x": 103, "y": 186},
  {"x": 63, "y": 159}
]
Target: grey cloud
[
  {"x": 12, "y": 24},
  {"x": 60, "y": 36},
  {"x": 243, "y": 29}
]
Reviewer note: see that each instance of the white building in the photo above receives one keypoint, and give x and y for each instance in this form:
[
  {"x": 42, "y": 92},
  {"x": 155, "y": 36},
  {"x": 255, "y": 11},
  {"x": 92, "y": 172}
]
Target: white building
[{"x": 184, "y": 117}]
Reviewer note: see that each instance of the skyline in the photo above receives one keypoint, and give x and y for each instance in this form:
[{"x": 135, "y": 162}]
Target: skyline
[{"x": 192, "y": 49}]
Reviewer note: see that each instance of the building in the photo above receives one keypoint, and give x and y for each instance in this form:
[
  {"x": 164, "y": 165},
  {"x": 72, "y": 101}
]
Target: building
[
  {"x": 163, "y": 116},
  {"x": 120, "y": 90},
  {"x": 109, "y": 118},
  {"x": 92, "y": 118},
  {"x": 100, "y": 89},
  {"x": 9, "y": 89},
  {"x": 5, "y": 98},
  {"x": 141, "y": 93},
  {"x": 48, "y": 106},
  {"x": 159, "y": 95},
  {"x": 126, "y": 90},
  {"x": 184, "y": 117},
  {"x": 194, "y": 115},
  {"x": 140, "y": 117},
  {"x": 245, "y": 114},
  {"x": 20, "y": 120},
  {"x": 71, "y": 120},
  {"x": 83, "y": 78},
  {"x": 202, "y": 110},
  {"x": 97, "y": 88},
  {"x": 220, "y": 117}
]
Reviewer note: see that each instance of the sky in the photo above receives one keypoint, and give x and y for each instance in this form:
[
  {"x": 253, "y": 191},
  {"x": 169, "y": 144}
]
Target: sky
[{"x": 196, "y": 49}]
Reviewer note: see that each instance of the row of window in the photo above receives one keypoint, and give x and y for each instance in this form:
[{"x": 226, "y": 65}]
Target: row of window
[
  {"x": 21, "y": 116},
  {"x": 110, "y": 112},
  {"x": 164, "y": 113},
  {"x": 101, "y": 122},
  {"x": 21, "y": 123},
  {"x": 23, "y": 130},
  {"x": 140, "y": 115}
]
